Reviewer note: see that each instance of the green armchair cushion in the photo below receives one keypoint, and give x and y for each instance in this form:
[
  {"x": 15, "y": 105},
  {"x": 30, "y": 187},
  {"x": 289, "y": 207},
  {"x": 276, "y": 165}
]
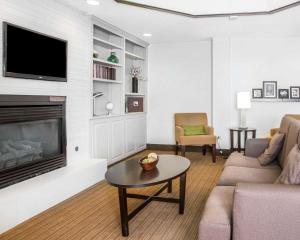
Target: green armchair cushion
[{"x": 191, "y": 130}]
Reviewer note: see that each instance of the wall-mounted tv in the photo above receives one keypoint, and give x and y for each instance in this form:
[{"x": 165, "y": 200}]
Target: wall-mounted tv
[{"x": 32, "y": 55}]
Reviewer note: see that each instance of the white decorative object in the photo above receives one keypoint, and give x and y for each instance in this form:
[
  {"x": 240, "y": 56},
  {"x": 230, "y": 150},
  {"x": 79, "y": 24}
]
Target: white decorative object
[
  {"x": 109, "y": 107},
  {"x": 136, "y": 72},
  {"x": 243, "y": 103}
]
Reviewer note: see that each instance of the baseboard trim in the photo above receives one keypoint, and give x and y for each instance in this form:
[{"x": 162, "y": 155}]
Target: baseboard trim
[
  {"x": 123, "y": 159},
  {"x": 172, "y": 147}
]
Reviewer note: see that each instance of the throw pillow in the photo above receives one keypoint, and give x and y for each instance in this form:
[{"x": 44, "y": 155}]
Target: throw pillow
[
  {"x": 273, "y": 150},
  {"x": 291, "y": 172},
  {"x": 190, "y": 130}
]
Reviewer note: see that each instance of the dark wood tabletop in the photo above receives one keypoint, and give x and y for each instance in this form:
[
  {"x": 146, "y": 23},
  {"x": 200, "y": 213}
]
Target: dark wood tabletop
[{"x": 130, "y": 174}]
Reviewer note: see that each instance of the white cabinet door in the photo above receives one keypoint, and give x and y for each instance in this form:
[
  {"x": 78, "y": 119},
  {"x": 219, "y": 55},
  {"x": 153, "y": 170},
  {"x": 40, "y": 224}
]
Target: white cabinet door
[
  {"x": 140, "y": 132},
  {"x": 130, "y": 134},
  {"x": 101, "y": 132},
  {"x": 117, "y": 140}
]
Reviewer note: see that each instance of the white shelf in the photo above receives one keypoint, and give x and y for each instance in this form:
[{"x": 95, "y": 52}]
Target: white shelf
[
  {"x": 135, "y": 113},
  {"x": 134, "y": 94},
  {"x": 107, "y": 44},
  {"x": 134, "y": 56},
  {"x": 106, "y": 62},
  {"x": 105, "y": 116},
  {"x": 274, "y": 100},
  {"x": 106, "y": 80}
]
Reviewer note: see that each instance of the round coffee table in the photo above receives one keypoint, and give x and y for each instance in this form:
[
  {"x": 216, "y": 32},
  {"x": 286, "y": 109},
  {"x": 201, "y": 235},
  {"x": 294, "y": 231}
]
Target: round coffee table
[{"x": 129, "y": 174}]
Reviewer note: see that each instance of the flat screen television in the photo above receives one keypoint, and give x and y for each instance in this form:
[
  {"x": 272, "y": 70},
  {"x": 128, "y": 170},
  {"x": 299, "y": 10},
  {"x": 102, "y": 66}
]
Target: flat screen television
[{"x": 32, "y": 55}]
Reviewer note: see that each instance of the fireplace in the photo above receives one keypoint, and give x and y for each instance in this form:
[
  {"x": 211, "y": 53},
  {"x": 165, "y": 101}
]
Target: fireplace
[{"x": 32, "y": 136}]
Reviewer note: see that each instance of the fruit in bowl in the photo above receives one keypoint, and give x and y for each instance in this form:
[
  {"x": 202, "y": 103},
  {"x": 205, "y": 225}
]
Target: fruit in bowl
[{"x": 149, "y": 162}]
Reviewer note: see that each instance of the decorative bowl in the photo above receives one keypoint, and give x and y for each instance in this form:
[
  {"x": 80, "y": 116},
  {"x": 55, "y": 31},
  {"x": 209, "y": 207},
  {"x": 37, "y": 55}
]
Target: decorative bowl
[{"x": 148, "y": 166}]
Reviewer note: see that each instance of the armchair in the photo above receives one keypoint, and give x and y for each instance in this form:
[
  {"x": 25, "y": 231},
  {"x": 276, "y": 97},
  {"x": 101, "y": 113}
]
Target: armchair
[{"x": 209, "y": 139}]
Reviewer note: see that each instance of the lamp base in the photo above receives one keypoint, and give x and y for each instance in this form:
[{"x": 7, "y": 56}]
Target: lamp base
[{"x": 243, "y": 121}]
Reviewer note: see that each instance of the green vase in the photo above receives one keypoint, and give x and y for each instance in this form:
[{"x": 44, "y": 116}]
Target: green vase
[{"x": 113, "y": 58}]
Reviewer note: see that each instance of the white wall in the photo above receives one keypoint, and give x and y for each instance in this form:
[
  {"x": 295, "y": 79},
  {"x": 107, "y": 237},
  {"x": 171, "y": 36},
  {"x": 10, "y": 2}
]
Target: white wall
[
  {"x": 241, "y": 64},
  {"x": 182, "y": 79},
  {"x": 179, "y": 81},
  {"x": 23, "y": 200}
]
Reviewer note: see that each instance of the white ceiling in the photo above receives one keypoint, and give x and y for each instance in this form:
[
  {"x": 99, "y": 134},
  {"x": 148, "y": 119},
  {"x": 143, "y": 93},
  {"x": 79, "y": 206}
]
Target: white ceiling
[{"x": 172, "y": 28}]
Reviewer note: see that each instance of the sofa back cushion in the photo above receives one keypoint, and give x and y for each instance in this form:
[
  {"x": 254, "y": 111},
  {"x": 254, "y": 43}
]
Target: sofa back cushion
[
  {"x": 271, "y": 153},
  {"x": 291, "y": 171},
  {"x": 290, "y": 141},
  {"x": 290, "y": 126}
]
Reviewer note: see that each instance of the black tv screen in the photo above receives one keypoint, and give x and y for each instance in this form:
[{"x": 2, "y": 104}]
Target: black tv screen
[{"x": 32, "y": 55}]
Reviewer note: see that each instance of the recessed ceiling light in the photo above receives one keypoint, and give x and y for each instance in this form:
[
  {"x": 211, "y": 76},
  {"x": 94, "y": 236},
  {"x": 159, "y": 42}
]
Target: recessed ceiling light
[
  {"x": 147, "y": 34},
  {"x": 93, "y": 2}
]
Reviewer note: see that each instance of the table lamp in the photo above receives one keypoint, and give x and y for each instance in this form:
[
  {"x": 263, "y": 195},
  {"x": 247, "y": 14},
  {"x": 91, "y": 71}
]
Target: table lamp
[
  {"x": 96, "y": 95},
  {"x": 243, "y": 103}
]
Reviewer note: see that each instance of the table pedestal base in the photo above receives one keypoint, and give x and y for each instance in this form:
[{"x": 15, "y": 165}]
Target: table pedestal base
[{"x": 123, "y": 195}]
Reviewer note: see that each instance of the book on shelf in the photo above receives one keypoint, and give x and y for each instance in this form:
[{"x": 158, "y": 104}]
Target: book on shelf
[{"x": 104, "y": 72}]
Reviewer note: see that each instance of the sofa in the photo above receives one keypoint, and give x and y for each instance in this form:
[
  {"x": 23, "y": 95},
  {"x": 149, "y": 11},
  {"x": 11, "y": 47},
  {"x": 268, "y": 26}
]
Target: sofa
[{"x": 246, "y": 204}]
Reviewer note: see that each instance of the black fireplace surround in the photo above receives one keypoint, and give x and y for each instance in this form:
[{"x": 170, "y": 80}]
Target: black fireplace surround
[{"x": 32, "y": 136}]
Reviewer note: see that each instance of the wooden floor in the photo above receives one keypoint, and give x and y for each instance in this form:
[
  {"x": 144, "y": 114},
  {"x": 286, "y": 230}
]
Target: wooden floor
[{"x": 94, "y": 213}]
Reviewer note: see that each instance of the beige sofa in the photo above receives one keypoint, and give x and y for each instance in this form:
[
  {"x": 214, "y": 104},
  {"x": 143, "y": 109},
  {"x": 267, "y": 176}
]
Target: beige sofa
[{"x": 246, "y": 204}]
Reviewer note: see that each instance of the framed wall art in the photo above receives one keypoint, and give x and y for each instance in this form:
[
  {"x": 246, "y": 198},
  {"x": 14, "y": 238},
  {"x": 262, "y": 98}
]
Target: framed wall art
[
  {"x": 270, "y": 89},
  {"x": 257, "y": 93},
  {"x": 295, "y": 92},
  {"x": 283, "y": 93}
]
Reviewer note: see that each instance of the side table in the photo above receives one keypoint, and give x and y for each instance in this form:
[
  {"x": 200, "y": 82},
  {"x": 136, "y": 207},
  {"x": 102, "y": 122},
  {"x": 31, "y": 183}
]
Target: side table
[{"x": 239, "y": 136}]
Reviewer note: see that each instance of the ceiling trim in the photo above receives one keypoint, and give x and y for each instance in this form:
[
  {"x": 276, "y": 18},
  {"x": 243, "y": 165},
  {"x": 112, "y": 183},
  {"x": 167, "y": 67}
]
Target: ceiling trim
[{"x": 214, "y": 15}]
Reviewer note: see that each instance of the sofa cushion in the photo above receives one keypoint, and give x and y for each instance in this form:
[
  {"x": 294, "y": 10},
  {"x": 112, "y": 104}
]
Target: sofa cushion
[
  {"x": 291, "y": 172},
  {"x": 232, "y": 175},
  {"x": 216, "y": 219},
  {"x": 273, "y": 150},
  {"x": 240, "y": 160}
]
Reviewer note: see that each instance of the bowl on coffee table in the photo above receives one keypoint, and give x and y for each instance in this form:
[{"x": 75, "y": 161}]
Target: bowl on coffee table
[{"x": 149, "y": 162}]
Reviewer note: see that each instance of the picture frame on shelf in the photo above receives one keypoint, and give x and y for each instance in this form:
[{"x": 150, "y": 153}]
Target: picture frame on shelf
[
  {"x": 295, "y": 92},
  {"x": 135, "y": 104},
  {"x": 257, "y": 93},
  {"x": 283, "y": 93},
  {"x": 269, "y": 89}
]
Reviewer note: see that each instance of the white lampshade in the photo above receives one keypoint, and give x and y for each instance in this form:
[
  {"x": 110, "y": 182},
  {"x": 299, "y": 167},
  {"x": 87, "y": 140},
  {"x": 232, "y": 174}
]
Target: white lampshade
[{"x": 243, "y": 100}]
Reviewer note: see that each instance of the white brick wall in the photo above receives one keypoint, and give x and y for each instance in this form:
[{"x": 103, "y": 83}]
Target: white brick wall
[
  {"x": 54, "y": 19},
  {"x": 23, "y": 200}
]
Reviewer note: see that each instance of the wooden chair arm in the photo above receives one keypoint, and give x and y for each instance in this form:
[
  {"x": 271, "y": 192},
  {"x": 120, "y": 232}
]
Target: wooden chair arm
[
  {"x": 178, "y": 132},
  {"x": 209, "y": 130}
]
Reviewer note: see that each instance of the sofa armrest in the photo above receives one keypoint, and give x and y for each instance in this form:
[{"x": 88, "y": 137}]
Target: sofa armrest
[
  {"x": 266, "y": 211},
  {"x": 209, "y": 130},
  {"x": 178, "y": 132},
  {"x": 255, "y": 147}
]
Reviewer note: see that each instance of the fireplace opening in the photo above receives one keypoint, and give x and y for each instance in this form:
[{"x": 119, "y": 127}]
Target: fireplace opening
[{"x": 32, "y": 136}]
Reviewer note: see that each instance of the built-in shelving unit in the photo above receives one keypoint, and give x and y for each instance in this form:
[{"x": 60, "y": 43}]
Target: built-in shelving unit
[
  {"x": 122, "y": 133},
  {"x": 108, "y": 77},
  {"x": 114, "y": 80},
  {"x": 135, "y": 57}
]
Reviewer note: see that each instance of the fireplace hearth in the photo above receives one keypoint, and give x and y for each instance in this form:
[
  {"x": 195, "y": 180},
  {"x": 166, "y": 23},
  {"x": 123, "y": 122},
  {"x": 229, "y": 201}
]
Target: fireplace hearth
[{"x": 32, "y": 136}]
